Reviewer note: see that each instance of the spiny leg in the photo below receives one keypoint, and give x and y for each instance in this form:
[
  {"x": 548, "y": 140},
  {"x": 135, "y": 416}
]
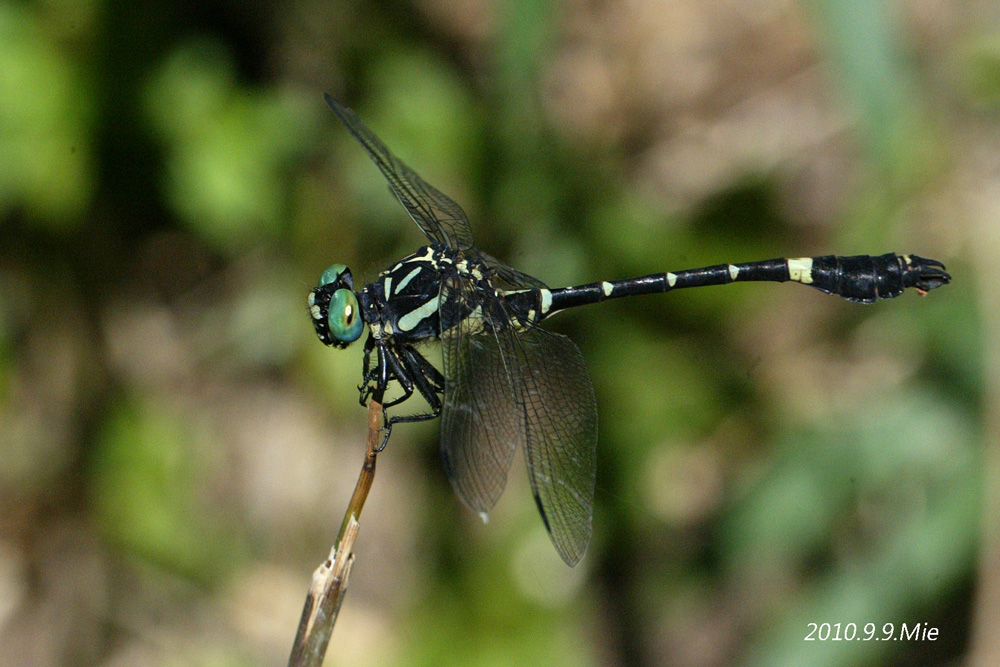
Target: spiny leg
[
  {"x": 434, "y": 377},
  {"x": 376, "y": 381},
  {"x": 375, "y": 378},
  {"x": 393, "y": 369},
  {"x": 412, "y": 371},
  {"x": 428, "y": 382}
]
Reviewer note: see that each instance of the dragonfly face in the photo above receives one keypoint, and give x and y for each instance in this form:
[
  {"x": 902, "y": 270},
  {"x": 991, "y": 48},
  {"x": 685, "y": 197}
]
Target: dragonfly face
[{"x": 334, "y": 308}]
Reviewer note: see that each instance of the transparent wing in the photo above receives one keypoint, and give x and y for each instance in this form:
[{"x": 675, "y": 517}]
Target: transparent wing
[
  {"x": 561, "y": 420},
  {"x": 509, "y": 277},
  {"x": 442, "y": 220},
  {"x": 481, "y": 420},
  {"x": 506, "y": 387}
]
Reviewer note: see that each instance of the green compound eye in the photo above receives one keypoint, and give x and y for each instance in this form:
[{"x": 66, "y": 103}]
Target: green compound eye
[
  {"x": 344, "y": 317},
  {"x": 332, "y": 274}
]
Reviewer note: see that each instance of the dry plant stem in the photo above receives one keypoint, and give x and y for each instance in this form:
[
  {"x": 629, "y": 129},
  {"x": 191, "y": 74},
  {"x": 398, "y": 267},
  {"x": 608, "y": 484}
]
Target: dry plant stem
[{"x": 329, "y": 583}]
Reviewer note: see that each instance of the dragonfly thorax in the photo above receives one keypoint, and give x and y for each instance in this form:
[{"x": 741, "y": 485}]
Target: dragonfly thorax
[{"x": 403, "y": 301}]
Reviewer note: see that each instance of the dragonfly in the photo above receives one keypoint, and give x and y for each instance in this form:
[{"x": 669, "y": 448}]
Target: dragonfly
[{"x": 506, "y": 382}]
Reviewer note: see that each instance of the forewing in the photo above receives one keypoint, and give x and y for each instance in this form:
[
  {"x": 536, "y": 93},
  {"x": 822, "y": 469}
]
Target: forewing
[
  {"x": 509, "y": 277},
  {"x": 442, "y": 220},
  {"x": 561, "y": 421},
  {"x": 481, "y": 420}
]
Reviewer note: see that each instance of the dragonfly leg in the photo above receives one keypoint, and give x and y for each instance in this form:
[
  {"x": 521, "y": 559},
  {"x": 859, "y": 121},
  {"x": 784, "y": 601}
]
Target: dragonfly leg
[
  {"x": 370, "y": 381},
  {"x": 392, "y": 367},
  {"x": 427, "y": 380},
  {"x": 414, "y": 372},
  {"x": 376, "y": 380},
  {"x": 427, "y": 370}
]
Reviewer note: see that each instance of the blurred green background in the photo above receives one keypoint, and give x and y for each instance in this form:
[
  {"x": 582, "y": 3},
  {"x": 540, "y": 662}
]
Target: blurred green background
[{"x": 177, "y": 449}]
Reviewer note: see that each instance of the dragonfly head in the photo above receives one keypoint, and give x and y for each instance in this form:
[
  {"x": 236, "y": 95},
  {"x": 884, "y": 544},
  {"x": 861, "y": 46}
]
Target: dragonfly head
[{"x": 334, "y": 308}]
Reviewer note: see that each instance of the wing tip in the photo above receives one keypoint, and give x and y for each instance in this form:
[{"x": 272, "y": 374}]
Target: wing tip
[{"x": 571, "y": 548}]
